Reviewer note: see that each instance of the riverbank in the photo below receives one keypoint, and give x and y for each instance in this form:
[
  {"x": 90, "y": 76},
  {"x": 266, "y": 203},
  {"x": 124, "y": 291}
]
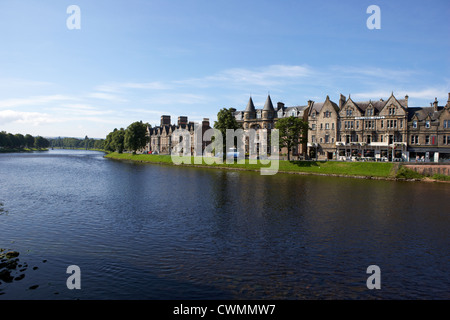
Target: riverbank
[
  {"x": 4, "y": 150},
  {"x": 363, "y": 170}
]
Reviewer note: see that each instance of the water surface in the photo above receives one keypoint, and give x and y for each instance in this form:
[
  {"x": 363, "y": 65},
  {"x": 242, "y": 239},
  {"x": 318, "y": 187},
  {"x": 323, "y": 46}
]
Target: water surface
[{"x": 145, "y": 231}]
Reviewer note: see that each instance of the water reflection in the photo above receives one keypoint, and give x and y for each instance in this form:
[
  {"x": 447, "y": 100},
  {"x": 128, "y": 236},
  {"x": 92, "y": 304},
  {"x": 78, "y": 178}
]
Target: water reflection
[{"x": 152, "y": 231}]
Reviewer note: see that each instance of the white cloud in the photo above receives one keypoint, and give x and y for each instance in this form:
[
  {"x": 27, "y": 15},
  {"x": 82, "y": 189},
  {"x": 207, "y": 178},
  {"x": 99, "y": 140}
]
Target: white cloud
[{"x": 30, "y": 118}]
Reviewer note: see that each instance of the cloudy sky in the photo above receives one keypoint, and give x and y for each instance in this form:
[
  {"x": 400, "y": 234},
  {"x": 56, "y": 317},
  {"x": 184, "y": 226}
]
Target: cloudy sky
[{"x": 139, "y": 59}]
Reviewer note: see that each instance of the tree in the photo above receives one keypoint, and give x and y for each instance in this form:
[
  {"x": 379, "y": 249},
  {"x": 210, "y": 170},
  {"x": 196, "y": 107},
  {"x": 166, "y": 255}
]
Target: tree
[
  {"x": 293, "y": 131},
  {"x": 136, "y": 136},
  {"x": 20, "y": 140},
  {"x": 4, "y": 140},
  {"x": 225, "y": 120},
  {"x": 41, "y": 143},
  {"x": 118, "y": 138},
  {"x": 29, "y": 141}
]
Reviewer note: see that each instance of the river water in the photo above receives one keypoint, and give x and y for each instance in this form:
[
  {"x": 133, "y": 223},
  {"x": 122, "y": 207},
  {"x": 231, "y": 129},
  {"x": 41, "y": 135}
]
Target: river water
[{"x": 146, "y": 231}]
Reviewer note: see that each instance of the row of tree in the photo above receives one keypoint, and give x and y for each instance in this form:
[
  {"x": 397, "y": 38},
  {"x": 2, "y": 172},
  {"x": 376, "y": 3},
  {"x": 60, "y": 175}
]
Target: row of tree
[
  {"x": 133, "y": 138},
  {"x": 76, "y": 143},
  {"x": 20, "y": 141}
]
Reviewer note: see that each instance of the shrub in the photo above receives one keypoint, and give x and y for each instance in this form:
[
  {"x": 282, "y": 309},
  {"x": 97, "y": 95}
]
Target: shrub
[{"x": 405, "y": 173}]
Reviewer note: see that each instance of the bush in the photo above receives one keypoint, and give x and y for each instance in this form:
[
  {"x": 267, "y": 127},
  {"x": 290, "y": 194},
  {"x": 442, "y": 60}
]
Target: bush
[
  {"x": 405, "y": 173},
  {"x": 441, "y": 177}
]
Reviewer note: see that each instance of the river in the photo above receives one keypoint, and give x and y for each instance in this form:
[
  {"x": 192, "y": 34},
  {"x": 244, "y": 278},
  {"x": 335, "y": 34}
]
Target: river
[{"x": 148, "y": 231}]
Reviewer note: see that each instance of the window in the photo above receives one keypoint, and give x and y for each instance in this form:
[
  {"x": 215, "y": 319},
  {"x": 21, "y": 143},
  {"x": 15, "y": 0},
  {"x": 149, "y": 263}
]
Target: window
[
  {"x": 446, "y": 123},
  {"x": 357, "y": 124},
  {"x": 321, "y": 126},
  {"x": 332, "y": 126},
  {"x": 327, "y": 114},
  {"x": 349, "y": 112},
  {"x": 369, "y": 112},
  {"x": 382, "y": 124},
  {"x": 381, "y": 138},
  {"x": 391, "y": 111},
  {"x": 327, "y": 126},
  {"x": 427, "y": 124},
  {"x": 321, "y": 140},
  {"x": 401, "y": 124},
  {"x": 313, "y": 126},
  {"x": 414, "y": 139},
  {"x": 427, "y": 139},
  {"x": 327, "y": 138},
  {"x": 313, "y": 138},
  {"x": 414, "y": 124}
]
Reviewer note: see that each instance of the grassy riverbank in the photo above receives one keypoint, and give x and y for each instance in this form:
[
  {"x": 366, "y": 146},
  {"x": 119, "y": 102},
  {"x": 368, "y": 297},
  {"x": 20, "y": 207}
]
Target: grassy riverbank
[
  {"x": 5, "y": 150},
  {"x": 364, "y": 169}
]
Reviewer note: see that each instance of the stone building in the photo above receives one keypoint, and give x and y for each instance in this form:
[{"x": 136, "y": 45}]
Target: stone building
[
  {"x": 160, "y": 137},
  {"x": 373, "y": 129},
  {"x": 323, "y": 119},
  {"x": 267, "y": 117},
  {"x": 429, "y": 132},
  {"x": 382, "y": 130}
]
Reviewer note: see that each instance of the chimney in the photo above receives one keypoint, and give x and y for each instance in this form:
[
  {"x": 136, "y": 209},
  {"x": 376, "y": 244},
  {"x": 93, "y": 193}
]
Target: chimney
[
  {"x": 182, "y": 120},
  {"x": 165, "y": 120},
  {"x": 406, "y": 99},
  {"x": 280, "y": 105},
  {"x": 205, "y": 123},
  {"x": 435, "y": 105},
  {"x": 342, "y": 101}
]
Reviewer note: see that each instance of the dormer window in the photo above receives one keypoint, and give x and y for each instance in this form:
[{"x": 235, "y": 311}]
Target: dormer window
[
  {"x": 369, "y": 112},
  {"x": 349, "y": 112},
  {"x": 391, "y": 111},
  {"x": 427, "y": 124},
  {"x": 415, "y": 124}
]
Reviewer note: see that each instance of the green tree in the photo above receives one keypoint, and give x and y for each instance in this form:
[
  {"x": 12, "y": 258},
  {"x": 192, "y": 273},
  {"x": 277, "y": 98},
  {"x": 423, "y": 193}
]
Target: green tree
[
  {"x": 136, "y": 136},
  {"x": 293, "y": 131},
  {"x": 20, "y": 140},
  {"x": 41, "y": 143},
  {"x": 29, "y": 141},
  {"x": 4, "y": 139},
  {"x": 118, "y": 140},
  {"x": 226, "y": 120}
]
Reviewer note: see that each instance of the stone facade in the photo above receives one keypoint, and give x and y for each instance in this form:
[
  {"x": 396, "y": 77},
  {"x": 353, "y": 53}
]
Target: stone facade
[
  {"x": 323, "y": 119},
  {"x": 160, "y": 137},
  {"x": 266, "y": 118},
  {"x": 382, "y": 130},
  {"x": 429, "y": 132}
]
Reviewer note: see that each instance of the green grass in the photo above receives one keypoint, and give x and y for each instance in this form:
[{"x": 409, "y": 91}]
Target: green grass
[
  {"x": 441, "y": 177},
  {"x": 367, "y": 169}
]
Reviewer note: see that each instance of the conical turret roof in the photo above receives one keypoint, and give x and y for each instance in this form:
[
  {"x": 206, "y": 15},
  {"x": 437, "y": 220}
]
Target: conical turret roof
[
  {"x": 268, "y": 106},
  {"x": 250, "y": 106}
]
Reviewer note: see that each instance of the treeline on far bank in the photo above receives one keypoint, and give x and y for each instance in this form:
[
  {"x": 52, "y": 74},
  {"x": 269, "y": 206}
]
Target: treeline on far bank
[
  {"x": 77, "y": 143},
  {"x": 13, "y": 142}
]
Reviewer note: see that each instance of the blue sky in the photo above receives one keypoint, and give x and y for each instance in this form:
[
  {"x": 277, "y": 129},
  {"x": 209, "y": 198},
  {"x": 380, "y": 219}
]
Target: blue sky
[{"x": 137, "y": 60}]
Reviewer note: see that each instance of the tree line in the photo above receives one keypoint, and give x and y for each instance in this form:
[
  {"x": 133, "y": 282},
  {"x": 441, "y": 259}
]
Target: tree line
[
  {"x": 77, "y": 143},
  {"x": 133, "y": 138},
  {"x": 20, "y": 141}
]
